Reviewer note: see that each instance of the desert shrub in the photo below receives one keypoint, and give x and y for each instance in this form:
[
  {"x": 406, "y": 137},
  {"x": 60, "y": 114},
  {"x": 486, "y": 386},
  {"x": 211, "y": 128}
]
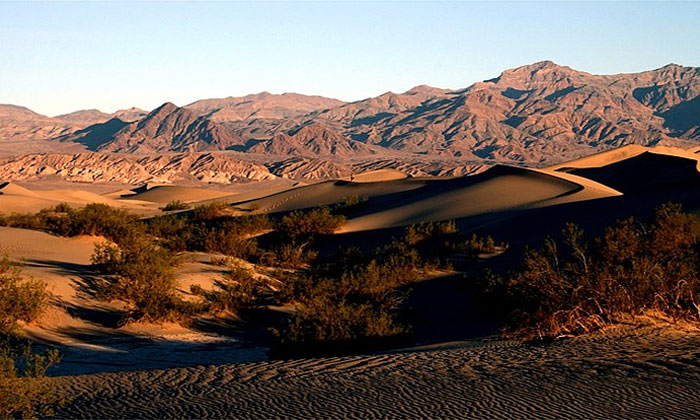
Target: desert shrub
[
  {"x": 301, "y": 227},
  {"x": 210, "y": 211},
  {"x": 232, "y": 236},
  {"x": 482, "y": 244},
  {"x": 92, "y": 219},
  {"x": 239, "y": 290},
  {"x": 287, "y": 256},
  {"x": 174, "y": 233},
  {"x": 247, "y": 225},
  {"x": 101, "y": 219},
  {"x": 350, "y": 204},
  {"x": 142, "y": 275},
  {"x": 25, "y": 391},
  {"x": 581, "y": 285},
  {"x": 175, "y": 205},
  {"x": 347, "y": 301},
  {"x": 317, "y": 328},
  {"x": 427, "y": 244},
  {"x": 20, "y": 299}
]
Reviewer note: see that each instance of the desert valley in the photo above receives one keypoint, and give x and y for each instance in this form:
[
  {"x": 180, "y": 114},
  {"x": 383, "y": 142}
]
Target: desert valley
[{"x": 407, "y": 255}]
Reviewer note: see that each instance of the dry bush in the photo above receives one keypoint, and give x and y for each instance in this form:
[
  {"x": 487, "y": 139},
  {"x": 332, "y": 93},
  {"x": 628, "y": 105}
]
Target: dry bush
[
  {"x": 351, "y": 204},
  {"x": 348, "y": 301},
  {"x": 301, "y": 227},
  {"x": 230, "y": 243},
  {"x": 25, "y": 391},
  {"x": 428, "y": 244},
  {"x": 142, "y": 275},
  {"x": 239, "y": 290},
  {"x": 204, "y": 212},
  {"x": 92, "y": 219},
  {"x": 174, "y": 233},
  {"x": 352, "y": 300},
  {"x": 175, "y": 205},
  {"x": 287, "y": 256},
  {"x": 580, "y": 286},
  {"x": 482, "y": 244},
  {"x": 20, "y": 299}
]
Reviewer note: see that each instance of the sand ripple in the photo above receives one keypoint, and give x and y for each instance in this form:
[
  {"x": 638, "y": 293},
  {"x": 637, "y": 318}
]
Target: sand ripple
[{"x": 650, "y": 375}]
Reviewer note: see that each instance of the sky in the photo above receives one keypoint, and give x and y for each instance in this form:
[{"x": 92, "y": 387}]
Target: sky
[{"x": 58, "y": 57}]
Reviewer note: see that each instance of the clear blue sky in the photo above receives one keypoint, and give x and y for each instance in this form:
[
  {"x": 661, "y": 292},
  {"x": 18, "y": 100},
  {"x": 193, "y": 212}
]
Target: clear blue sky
[{"x": 60, "y": 57}]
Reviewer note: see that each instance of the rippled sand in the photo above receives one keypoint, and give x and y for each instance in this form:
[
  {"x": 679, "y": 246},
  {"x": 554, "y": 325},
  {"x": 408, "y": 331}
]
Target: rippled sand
[{"x": 648, "y": 373}]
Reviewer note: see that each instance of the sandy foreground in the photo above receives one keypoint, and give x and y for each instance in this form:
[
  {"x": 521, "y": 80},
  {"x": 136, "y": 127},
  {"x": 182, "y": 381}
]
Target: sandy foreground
[
  {"x": 167, "y": 371},
  {"x": 633, "y": 373}
]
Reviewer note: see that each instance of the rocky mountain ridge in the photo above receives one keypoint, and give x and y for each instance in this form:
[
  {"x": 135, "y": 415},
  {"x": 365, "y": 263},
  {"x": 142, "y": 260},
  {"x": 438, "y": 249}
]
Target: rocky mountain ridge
[{"x": 536, "y": 114}]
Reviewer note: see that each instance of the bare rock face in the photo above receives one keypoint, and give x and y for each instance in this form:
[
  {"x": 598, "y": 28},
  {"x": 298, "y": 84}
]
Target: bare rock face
[
  {"x": 99, "y": 167},
  {"x": 169, "y": 128},
  {"x": 17, "y": 122},
  {"x": 310, "y": 169},
  {"x": 261, "y": 106},
  {"x": 312, "y": 139},
  {"x": 537, "y": 114},
  {"x": 85, "y": 116}
]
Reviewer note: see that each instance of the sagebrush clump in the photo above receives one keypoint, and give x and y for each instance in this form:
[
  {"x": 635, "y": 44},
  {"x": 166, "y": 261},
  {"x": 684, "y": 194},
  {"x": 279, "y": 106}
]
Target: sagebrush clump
[
  {"x": 25, "y": 391},
  {"x": 142, "y": 273},
  {"x": 92, "y": 219},
  {"x": 239, "y": 290},
  {"x": 579, "y": 285},
  {"x": 175, "y": 205},
  {"x": 21, "y": 299}
]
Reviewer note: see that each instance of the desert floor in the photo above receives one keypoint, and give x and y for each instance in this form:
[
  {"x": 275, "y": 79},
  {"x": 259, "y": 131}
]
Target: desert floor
[
  {"x": 220, "y": 368},
  {"x": 647, "y": 372}
]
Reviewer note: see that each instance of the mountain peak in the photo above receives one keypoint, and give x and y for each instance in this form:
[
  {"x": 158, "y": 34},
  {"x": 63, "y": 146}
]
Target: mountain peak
[
  {"x": 424, "y": 89},
  {"x": 165, "y": 109}
]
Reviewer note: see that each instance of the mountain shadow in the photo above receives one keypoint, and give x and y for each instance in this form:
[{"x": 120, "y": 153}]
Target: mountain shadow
[{"x": 97, "y": 135}]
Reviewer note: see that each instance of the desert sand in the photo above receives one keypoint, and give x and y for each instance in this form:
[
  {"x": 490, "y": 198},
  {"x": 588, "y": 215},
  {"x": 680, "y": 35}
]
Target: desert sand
[
  {"x": 644, "y": 373},
  {"x": 219, "y": 366}
]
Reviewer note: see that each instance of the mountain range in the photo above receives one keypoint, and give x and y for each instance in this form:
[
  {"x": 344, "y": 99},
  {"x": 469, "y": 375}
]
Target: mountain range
[{"x": 533, "y": 115}]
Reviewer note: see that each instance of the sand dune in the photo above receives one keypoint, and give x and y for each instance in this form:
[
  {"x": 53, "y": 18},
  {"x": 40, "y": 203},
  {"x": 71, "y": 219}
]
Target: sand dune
[
  {"x": 499, "y": 189},
  {"x": 329, "y": 192},
  {"x": 17, "y": 199},
  {"x": 377, "y": 176},
  {"x": 645, "y": 172},
  {"x": 656, "y": 376},
  {"x": 87, "y": 330},
  {"x": 163, "y": 194},
  {"x": 206, "y": 375},
  {"x": 617, "y": 155},
  {"x": 9, "y": 188}
]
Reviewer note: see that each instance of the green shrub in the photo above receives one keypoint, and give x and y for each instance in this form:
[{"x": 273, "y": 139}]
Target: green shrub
[
  {"x": 25, "y": 391},
  {"x": 239, "y": 290},
  {"x": 20, "y": 299},
  {"x": 93, "y": 219},
  {"x": 175, "y": 205},
  {"x": 301, "y": 227},
  {"x": 287, "y": 256},
  {"x": 174, "y": 233},
  {"x": 204, "y": 212},
  {"x": 347, "y": 301},
  {"x": 351, "y": 204},
  {"x": 142, "y": 275},
  {"x": 581, "y": 286},
  {"x": 230, "y": 243}
]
